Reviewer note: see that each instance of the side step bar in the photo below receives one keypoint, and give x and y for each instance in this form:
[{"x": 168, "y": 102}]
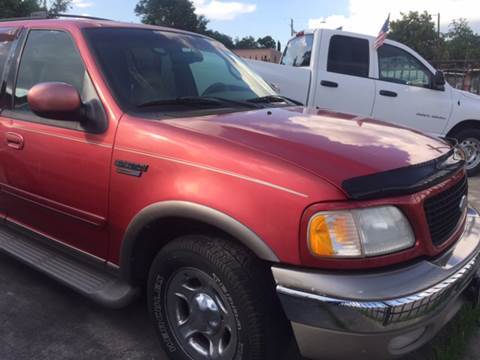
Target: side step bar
[{"x": 87, "y": 279}]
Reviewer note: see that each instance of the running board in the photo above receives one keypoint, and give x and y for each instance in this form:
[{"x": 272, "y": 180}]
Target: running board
[{"x": 87, "y": 279}]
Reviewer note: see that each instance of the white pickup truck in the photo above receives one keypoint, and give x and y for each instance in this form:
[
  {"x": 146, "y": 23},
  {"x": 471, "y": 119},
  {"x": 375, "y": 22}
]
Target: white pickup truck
[{"x": 342, "y": 71}]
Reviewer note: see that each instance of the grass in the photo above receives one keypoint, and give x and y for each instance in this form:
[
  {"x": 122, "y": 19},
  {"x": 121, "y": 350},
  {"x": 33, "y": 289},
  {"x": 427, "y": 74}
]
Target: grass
[{"x": 451, "y": 343}]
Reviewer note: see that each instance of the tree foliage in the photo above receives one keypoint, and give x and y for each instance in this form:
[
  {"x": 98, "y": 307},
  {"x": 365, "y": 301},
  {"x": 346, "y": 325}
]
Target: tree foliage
[
  {"x": 24, "y": 8},
  {"x": 18, "y": 8},
  {"x": 417, "y": 30},
  {"x": 267, "y": 42},
  {"x": 224, "y": 39},
  {"x": 59, "y": 6},
  {"x": 462, "y": 42},
  {"x": 248, "y": 42},
  {"x": 178, "y": 14}
]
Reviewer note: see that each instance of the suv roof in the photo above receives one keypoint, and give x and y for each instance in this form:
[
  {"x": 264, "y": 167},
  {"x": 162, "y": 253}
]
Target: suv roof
[{"x": 82, "y": 22}]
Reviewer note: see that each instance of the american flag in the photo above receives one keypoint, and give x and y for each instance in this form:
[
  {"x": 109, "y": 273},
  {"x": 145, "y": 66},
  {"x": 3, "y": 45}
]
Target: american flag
[{"x": 382, "y": 35}]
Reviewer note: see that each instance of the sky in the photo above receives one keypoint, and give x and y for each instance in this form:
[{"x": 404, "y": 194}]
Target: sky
[{"x": 239, "y": 18}]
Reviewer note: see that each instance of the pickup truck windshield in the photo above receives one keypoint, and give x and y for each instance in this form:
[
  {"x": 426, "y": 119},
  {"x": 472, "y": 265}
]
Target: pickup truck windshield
[{"x": 154, "y": 70}]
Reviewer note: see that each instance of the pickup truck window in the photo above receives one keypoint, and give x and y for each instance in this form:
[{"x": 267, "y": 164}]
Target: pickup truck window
[
  {"x": 398, "y": 66},
  {"x": 348, "y": 55},
  {"x": 148, "y": 70},
  {"x": 298, "y": 51},
  {"x": 50, "y": 56}
]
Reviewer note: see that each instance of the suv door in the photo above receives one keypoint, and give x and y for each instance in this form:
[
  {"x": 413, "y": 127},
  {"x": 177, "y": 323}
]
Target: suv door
[
  {"x": 7, "y": 39},
  {"x": 343, "y": 76},
  {"x": 57, "y": 173},
  {"x": 405, "y": 95}
]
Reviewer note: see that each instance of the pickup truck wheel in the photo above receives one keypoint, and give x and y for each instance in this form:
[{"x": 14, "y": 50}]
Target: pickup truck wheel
[
  {"x": 469, "y": 140},
  {"x": 211, "y": 299}
]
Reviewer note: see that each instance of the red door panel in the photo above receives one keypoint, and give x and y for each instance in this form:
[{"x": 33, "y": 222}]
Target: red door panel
[{"x": 56, "y": 183}]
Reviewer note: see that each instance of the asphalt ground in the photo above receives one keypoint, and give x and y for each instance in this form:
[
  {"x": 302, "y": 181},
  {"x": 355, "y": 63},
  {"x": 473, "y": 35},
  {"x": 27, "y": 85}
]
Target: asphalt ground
[{"x": 43, "y": 320}]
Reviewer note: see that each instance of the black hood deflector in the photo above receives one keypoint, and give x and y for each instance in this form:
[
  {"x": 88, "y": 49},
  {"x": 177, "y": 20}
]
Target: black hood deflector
[{"x": 406, "y": 180}]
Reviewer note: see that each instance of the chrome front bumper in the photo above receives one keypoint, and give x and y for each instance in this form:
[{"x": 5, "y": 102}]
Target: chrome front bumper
[{"x": 378, "y": 313}]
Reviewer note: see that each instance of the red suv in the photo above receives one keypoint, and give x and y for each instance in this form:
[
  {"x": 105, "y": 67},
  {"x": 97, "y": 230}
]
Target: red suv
[{"x": 137, "y": 157}]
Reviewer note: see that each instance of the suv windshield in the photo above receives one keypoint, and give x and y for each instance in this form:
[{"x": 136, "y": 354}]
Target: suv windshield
[{"x": 154, "y": 70}]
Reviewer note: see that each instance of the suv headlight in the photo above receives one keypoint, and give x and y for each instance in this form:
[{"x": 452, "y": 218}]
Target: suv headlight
[{"x": 359, "y": 232}]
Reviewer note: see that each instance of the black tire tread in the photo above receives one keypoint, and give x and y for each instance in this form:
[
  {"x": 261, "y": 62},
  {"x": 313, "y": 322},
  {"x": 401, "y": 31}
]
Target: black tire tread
[{"x": 254, "y": 289}]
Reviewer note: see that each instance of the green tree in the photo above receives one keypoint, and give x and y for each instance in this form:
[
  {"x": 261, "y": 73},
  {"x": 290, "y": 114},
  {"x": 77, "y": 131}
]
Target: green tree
[
  {"x": 248, "y": 42},
  {"x": 267, "y": 42},
  {"x": 59, "y": 6},
  {"x": 417, "y": 30},
  {"x": 462, "y": 42},
  {"x": 223, "y": 38},
  {"x": 24, "y": 8},
  {"x": 178, "y": 14},
  {"x": 17, "y": 8}
]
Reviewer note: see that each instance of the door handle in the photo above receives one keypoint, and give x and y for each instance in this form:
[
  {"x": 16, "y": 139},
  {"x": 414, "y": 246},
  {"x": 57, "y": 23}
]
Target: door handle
[
  {"x": 15, "y": 141},
  {"x": 388, "y": 93},
  {"x": 327, "y": 83}
]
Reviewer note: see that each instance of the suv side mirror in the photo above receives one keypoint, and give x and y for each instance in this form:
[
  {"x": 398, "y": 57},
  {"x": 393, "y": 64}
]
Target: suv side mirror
[
  {"x": 55, "y": 100},
  {"x": 438, "y": 81}
]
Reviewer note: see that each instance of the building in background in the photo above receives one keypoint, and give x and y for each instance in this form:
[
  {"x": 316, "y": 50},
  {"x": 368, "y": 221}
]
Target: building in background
[
  {"x": 263, "y": 54},
  {"x": 462, "y": 74}
]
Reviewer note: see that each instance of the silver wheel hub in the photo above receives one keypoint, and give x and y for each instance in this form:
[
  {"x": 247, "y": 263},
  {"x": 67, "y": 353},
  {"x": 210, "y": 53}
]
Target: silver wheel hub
[
  {"x": 471, "y": 147},
  {"x": 209, "y": 312},
  {"x": 201, "y": 316}
]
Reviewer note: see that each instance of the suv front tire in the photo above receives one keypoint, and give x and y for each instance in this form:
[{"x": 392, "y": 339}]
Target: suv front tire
[{"x": 209, "y": 298}]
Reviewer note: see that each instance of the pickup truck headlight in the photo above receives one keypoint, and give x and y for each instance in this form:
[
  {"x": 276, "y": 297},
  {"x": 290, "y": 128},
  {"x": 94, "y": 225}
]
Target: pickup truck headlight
[{"x": 359, "y": 232}]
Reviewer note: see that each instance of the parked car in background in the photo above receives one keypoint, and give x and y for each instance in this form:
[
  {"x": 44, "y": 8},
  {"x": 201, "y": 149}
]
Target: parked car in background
[
  {"x": 342, "y": 71},
  {"x": 145, "y": 158}
]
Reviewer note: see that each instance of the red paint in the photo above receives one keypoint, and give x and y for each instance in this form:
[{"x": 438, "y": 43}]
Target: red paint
[{"x": 270, "y": 172}]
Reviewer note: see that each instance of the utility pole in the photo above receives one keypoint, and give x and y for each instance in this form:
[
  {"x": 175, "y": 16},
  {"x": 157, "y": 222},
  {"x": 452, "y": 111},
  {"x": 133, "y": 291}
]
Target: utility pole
[
  {"x": 438, "y": 25},
  {"x": 292, "y": 31}
]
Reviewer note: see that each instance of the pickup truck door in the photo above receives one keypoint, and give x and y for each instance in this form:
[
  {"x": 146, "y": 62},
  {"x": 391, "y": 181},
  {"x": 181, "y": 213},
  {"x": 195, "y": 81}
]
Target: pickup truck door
[
  {"x": 404, "y": 93},
  {"x": 342, "y": 74},
  {"x": 57, "y": 174}
]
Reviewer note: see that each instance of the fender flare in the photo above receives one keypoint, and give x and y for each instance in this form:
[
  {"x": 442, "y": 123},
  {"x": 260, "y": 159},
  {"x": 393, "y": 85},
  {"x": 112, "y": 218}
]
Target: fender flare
[{"x": 192, "y": 211}]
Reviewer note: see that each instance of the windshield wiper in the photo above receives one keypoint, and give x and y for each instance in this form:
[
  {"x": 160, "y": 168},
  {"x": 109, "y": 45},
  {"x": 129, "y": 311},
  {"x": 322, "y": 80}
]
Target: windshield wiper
[
  {"x": 198, "y": 101},
  {"x": 274, "y": 99}
]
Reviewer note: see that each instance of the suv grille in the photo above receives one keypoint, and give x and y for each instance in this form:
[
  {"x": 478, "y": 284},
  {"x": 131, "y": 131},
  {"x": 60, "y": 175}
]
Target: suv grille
[{"x": 443, "y": 211}]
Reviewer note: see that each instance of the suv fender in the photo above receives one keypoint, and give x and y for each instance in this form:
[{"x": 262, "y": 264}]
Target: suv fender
[{"x": 192, "y": 211}]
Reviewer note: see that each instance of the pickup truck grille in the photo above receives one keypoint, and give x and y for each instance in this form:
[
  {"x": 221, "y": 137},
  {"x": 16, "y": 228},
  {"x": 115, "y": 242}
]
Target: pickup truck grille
[{"x": 444, "y": 211}]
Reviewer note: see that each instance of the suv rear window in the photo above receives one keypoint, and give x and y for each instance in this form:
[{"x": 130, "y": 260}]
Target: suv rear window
[
  {"x": 348, "y": 55},
  {"x": 298, "y": 51},
  {"x": 7, "y": 35}
]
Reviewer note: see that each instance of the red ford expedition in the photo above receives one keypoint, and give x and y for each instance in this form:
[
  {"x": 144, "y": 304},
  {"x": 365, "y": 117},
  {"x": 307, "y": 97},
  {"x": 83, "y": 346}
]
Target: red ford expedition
[{"x": 136, "y": 157}]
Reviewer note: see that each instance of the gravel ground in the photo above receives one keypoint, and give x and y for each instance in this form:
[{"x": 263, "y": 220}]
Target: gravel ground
[{"x": 42, "y": 320}]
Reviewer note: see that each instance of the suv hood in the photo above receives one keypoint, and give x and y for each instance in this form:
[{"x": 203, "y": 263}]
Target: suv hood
[{"x": 333, "y": 146}]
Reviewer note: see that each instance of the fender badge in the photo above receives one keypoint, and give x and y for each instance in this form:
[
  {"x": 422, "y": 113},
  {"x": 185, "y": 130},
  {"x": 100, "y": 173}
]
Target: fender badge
[{"x": 130, "y": 168}]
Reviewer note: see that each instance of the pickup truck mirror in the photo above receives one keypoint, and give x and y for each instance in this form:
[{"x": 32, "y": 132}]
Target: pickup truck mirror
[
  {"x": 55, "y": 100},
  {"x": 438, "y": 81}
]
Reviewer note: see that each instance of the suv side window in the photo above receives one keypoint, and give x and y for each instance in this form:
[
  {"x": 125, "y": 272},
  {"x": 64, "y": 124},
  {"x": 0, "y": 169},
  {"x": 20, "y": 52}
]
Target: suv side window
[
  {"x": 7, "y": 35},
  {"x": 348, "y": 55},
  {"x": 398, "y": 66},
  {"x": 50, "y": 56},
  {"x": 298, "y": 51}
]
